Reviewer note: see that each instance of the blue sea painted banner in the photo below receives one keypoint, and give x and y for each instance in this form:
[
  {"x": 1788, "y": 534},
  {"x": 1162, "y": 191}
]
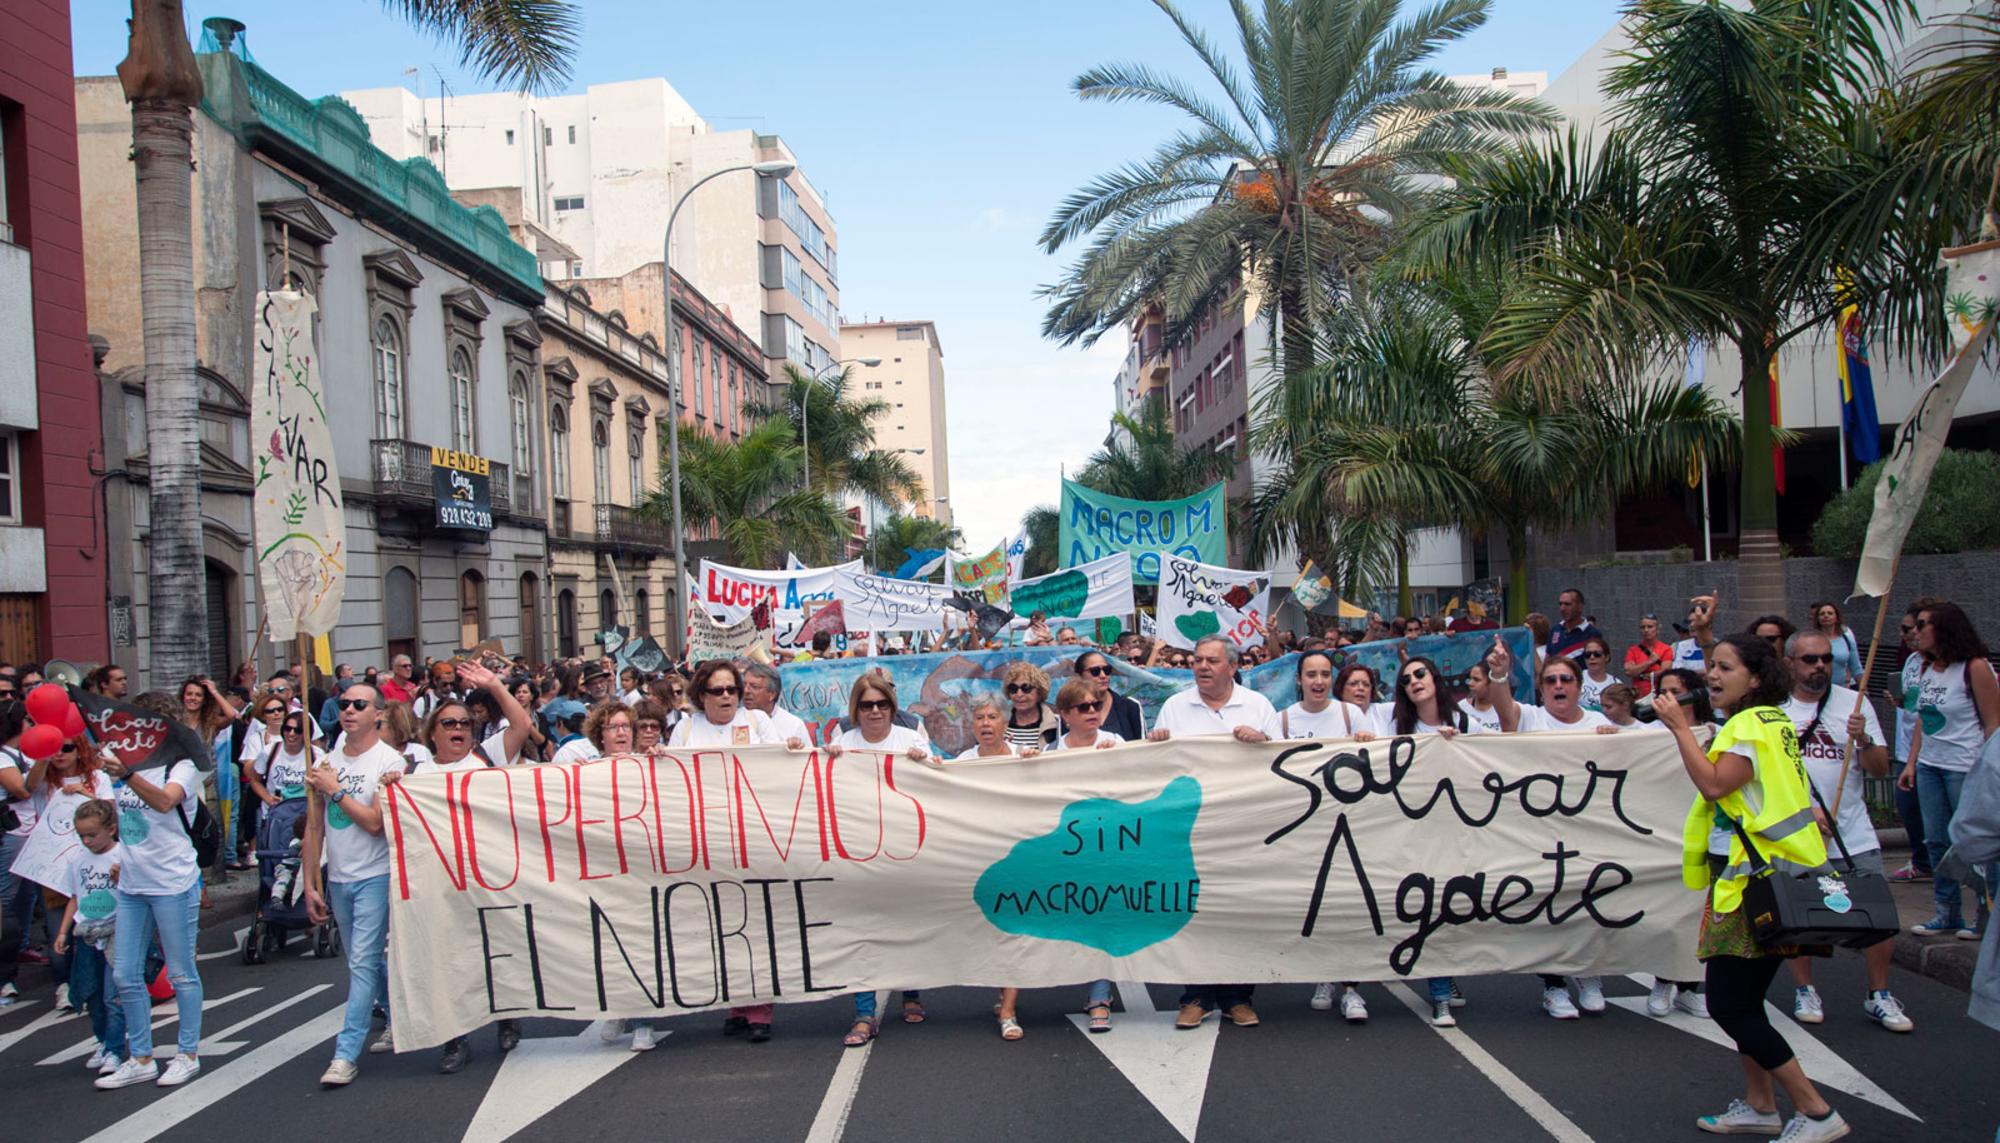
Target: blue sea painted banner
[
  {"x": 1096, "y": 524},
  {"x": 688, "y": 880}
]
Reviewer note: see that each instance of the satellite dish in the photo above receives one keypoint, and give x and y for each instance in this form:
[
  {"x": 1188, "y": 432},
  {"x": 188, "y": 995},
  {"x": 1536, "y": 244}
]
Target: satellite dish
[{"x": 64, "y": 671}]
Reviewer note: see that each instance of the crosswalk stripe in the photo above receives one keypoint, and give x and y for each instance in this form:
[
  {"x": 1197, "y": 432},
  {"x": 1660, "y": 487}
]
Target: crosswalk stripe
[
  {"x": 831, "y": 1121},
  {"x": 1512, "y": 1086},
  {"x": 47, "y": 1019},
  {"x": 219, "y": 1043},
  {"x": 203, "y": 1091},
  {"x": 83, "y": 1048}
]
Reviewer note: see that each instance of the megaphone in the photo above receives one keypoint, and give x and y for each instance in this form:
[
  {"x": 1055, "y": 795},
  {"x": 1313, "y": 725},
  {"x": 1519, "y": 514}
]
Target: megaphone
[{"x": 64, "y": 671}]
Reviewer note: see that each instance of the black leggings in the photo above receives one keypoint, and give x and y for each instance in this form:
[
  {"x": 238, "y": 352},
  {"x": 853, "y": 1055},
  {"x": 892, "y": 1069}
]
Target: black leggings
[{"x": 1736, "y": 989}]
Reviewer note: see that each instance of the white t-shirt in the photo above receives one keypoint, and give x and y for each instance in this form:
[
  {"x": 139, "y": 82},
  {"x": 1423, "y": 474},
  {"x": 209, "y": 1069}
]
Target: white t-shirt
[
  {"x": 1338, "y": 720},
  {"x": 352, "y": 853},
  {"x": 1102, "y": 737},
  {"x": 283, "y": 774},
  {"x": 973, "y": 753},
  {"x": 495, "y": 747},
  {"x": 1487, "y": 720},
  {"x": 93, "y": 880},
  {"x": 1591, "y": 689},
  {"x": 1185, "y": 715},
  {"x": 1822, "y": 753},
  {"x": 12, "y": 759},
  {"x": 897, "y": 741},
  {"x": 1688, "y": 656},
  {"x": 159, "y": 858},
  {"x": 1538, "y": 718},
  {"x": 748, "y": 728},
  {"x": 788, "y": 725},
  {"x": 57, "y": 810},
  {"x": 1950, "y": 718},
  {"x": 578, "y": 749},
  {"x": 1906, "y": 722}
]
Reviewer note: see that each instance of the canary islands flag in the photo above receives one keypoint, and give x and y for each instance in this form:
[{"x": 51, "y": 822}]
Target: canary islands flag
[{"x": 1857, "y": 391}]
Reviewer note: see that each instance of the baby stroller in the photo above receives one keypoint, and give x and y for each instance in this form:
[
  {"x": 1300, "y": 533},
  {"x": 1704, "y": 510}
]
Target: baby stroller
[{"x": 281, "y": 890}]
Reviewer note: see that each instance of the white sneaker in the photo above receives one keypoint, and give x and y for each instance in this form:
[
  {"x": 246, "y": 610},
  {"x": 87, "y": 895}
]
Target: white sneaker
[
  {"x": 111, "y": 1063},
  {"x": 611, "y": 1030},
  {"x": 1441, "y": 1016},
  {"x": 1692, "y": 1003},
  {"x": 386, "y": 1042},
  {"x": 1353, "y": 1009},
  {"x": 339, "y": 1073},
  {"x": 1741, "y": 1119},
  {"x": 1888, "y": 1012},
  {"x": 181, "y": 1070},
  {"x": 96, "y": 1061},
  {"x": 1807, "y": 1008},
  {"x": 129, "y": 1072},
  {"x": 1803, "y": 1129},
  {"x": 1457, "y": 997},
  {"x": 1556, "y": 1002},
  {"x": 8, "y": 992},
  {"x": 62, "y": 999},
  {"x": 1660, "y": 1001},
  {"x": 643, "y": 1039},
  {"x": 1590, "y": 993},
  {"x": 1323, "y": 997}
]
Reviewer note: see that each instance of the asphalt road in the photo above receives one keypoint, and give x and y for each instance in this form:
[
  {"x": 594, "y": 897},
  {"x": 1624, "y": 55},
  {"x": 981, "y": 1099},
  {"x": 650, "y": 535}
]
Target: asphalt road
[{"x": 1508, "y": 1072}]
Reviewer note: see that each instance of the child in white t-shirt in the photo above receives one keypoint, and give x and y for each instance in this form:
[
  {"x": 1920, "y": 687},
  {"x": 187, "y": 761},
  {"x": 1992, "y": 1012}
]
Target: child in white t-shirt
[{"x": 88, "y": 926}]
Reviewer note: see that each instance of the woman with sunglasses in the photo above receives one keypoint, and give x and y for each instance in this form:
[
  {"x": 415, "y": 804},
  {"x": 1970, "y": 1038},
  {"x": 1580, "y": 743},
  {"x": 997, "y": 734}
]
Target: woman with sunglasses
[
  {"x": 1081, "y": 704},
  {"x": 1317, "y": 714},
  {"x": 721, "y": 719},
  {"x": 1957, "y": 704},
  {"x": 1596, "y": 657},
  {"x": 1030, "y": 722},
  {"x": 450, "y": 733},
  {"x": 871, "y": 709},
  {"x": 1124, "y": 718},
  {"x": 279, "y": 773}
]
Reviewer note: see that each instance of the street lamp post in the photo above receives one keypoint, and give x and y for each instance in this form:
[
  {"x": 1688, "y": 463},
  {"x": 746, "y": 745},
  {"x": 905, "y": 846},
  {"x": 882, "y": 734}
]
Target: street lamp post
[
  {"x": 776, "y": 169},
  {"x": 805, "y": 408}
]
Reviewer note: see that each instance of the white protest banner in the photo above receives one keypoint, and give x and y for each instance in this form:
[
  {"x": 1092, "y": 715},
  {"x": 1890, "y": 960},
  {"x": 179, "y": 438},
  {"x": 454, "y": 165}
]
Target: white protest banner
[
  {"x": 708, "y": 639},
  {"x": 1972, "y": 292},
  {"x": 46, "y": 857},
  {"x": 793, "y": 631},
  {"x": 885, "y": 603},
  {"x": 1197, "y": 600},
  {"x": 295, "y": 506},
  {"x": 729, "y": 593},
  {"x": 1101, "y": 589},
  {"x": 618, "y": 888}
]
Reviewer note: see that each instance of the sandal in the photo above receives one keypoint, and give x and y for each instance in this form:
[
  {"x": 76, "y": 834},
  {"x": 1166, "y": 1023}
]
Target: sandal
[
  {"x": 862, "y": 1032},
  {"x": 1100, "y": 1017},
  {"x": 1010, "y": 1028},
  {"x": 913, "y": 1012}
]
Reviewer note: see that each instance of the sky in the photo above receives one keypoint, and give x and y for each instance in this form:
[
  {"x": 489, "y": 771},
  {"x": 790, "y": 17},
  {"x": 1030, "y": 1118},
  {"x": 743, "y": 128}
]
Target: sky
[{"x": 942, "y": 135}]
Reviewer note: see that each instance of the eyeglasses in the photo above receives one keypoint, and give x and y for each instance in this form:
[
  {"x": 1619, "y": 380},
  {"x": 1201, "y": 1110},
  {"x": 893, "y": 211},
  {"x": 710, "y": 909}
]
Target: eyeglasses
[
  {"x": 1099, "y": 671},
  {"x": 353, "y": 704},
  {"x": 1091, "y": 707},
  {"x": 649, "y": 724},
  {"x": 721, "y": 692},
  {"x": 1921, "y": 624},
  {"x": 875, "y": 704},
  {"x": 1417, "y": 673},
  {"x": 1022, "y": 688},
  {"x": 455, "y": 723},
  {"x": 1816, "y": 660},
  {"x": 611, "y": 726},
  {"x": 272, "y": 711},
  {"x": 1552, "y": 680},
  {"x": 1593, "y": 654}
]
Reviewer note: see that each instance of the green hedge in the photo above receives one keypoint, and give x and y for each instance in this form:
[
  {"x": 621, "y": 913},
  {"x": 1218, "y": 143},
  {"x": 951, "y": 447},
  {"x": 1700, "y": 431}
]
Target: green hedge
[{"x": 1961, "y": 511}]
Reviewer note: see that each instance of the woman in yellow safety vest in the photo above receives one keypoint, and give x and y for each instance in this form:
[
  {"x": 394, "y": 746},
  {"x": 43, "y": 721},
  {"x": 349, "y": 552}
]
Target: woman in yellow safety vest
[{"x": 1750, "y": 774}]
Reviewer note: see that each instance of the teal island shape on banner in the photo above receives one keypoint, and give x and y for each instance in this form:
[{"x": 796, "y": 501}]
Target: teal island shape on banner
[{"x": 1116, "y": 876}]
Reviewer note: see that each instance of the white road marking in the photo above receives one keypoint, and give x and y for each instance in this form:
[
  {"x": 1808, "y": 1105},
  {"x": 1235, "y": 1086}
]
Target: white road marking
[
  {"x": 542, "y": 1074},
  {"x": 1822, "y": 1064},
  {"x": 191, "y": 1099},
  {"x": 235, "y": 947},
  {"x": 831, "y": 1121},
  {"x": 221, "y": 1045},
  {"x": 1512, "y": 1086},
  {"x": 1169, "y": 1066},
  {"x": 47, "y": 1019},
  {"x": 83, "y": 1048}
]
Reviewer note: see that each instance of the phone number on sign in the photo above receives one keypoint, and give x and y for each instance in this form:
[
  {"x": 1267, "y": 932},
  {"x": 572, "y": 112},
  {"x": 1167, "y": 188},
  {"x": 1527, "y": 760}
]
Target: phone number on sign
[{"x": 454, "y": 516}]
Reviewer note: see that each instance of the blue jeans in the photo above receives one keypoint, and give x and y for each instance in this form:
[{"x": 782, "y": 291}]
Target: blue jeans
[
  {"x": 93, "y": 990},
  {"x": 362, "y": 910},
  {"x": 1100, "y": 994},
  {"x": 176, "y": 917},
  {"x": 1911, "y": 810},
  {"x": 864, "y": 1003},
  {"x": 1440, "y": 989},
  {"x": 1937, "y": 793}
]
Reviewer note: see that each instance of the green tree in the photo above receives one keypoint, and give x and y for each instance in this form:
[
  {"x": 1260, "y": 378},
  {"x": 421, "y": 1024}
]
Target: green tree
[
  {"x": 839, "y": 436},
  {"x": 1044, "y": 528},
  {"x": 1327, "y": 128},
  {"x": 1745, "y": 172},
  {"x": 1144, "y": 460},
  {"x": 894, "y": 538},
  {"x": 751, "y": 489},
  {"x": 528, "y": 42},
  {"x": 1960, "y": 513}
]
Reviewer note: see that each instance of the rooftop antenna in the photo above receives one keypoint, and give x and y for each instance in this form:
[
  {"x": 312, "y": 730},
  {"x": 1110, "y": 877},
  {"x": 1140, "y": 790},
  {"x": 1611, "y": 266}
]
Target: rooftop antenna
[
  {"x": 444, "y": 156},
  {"x": 423, "y": 109}
]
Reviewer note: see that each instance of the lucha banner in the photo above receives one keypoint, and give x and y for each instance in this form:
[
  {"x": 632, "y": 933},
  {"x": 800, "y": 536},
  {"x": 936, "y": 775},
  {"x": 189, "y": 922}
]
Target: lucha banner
[
  {"x": 689, "y": 880},
  {"x": 295, "y": 505},
  {"x": 729, "y": 593}
]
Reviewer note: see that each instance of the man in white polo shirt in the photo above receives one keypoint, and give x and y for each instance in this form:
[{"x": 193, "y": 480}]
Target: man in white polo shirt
[{"x": 1213, "y": 707}]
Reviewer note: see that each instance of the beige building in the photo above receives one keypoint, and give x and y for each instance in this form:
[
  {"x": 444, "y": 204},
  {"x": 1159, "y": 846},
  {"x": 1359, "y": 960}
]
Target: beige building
[{"x": 911, "y": 380}]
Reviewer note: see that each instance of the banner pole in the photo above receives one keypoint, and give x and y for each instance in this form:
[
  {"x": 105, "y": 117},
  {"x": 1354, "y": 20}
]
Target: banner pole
[{"x": 1861, "y": 691}]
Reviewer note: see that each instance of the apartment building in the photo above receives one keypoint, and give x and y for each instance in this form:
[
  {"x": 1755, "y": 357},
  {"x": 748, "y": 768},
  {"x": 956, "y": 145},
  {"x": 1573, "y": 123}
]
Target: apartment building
[{"x": 911, "y": 380}]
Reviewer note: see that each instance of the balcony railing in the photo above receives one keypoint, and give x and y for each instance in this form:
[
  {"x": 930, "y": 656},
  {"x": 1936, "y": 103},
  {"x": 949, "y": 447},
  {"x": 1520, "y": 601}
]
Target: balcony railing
[
  {"x": 403, "y": 474},
  {"x": 621, "y": 527}
]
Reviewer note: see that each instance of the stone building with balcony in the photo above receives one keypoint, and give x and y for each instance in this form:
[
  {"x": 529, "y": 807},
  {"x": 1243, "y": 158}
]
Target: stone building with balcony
[{"x": 428, "y": 347}]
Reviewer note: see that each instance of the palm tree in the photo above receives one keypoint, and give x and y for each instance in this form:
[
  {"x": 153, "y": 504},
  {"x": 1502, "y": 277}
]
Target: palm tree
[
  {"x": 894, "y": 539},
  {"x": 1144, "y": 461},
  {"x": 1044, "y": 528},
  {"x": 1744, "y": 172},
  {"x": 1328, "y": 125},
  {"x": 524, "y": 41},
  {"x": 751, "y": 490},
  {"x": 840, "y": 439}
]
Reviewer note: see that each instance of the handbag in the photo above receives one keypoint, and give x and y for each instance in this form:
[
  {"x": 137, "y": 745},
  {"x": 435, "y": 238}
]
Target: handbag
[{"x": 1826, "y": 906}]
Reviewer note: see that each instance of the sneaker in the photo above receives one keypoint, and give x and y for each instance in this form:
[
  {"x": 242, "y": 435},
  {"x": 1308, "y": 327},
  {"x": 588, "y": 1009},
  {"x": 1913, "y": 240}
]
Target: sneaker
[
  {"x": 96, "y": 1061},
  {"x": 386, "y": 1042},
  {"x": 1243, "y": 1016},
  {"x": 1937, "y": 927},
  {"x": 129, "y": 1072},
  {"x": 112, "y": 1061},
  {"x": 1806, "y": 1006},
  {"x": 1660, "y": 1000},
  {"x": 1806, "y": 1129},
  {"x": 1457, "y": 997},
  {"x": 1590, "y": 993},
  {"x": 1741, "y": 1119},
  {"x": 457, "y": 1053},
  {"x": 9, "y": 992},
  {"x": 1323, "y": 997},
  {"x": 1441, "y": 1016},
  {"x": 1353, "y": 1009},
  {"x": 1910, "y": 873},
  {"x": 179, "y": 1071},
  {"x": 643, "y": 1038},
  {"x": 1692, "y": 1003},
  {"x": 339, "y": 1073},
  {"x": 1556, "y": 1002},
  {"x": 62, "y": 999},
  {"x": 1888, "y": 1011},
  {"x": 611, "y": 1030},
  {"x": 1969, "y": 934},
  {"x": 1191, "y": 1016}
]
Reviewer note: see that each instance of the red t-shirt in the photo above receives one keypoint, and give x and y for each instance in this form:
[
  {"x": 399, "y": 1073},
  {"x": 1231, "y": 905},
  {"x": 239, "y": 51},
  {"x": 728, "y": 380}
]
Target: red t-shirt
[
  {"x": 1637, "y": 654},
  {"x": 394, "y": 691}
]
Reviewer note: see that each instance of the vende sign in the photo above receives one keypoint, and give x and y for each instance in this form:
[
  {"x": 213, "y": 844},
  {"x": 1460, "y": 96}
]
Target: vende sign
[
  {"x": 730, "y": 593},
  {"x": 684, "y": 881}
]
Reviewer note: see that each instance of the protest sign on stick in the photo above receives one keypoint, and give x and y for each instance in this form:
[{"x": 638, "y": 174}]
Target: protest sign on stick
[
  {"x": 296, "y": 511},
  {"x": 1198, "y": 601}
]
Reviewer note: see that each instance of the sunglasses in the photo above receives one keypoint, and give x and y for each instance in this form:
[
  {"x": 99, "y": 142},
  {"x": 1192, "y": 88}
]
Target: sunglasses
[
  {"x": 272, "y": 712},
  {"x": 294, "y": 728},
  {"x": 720, "y": 692},
  {"x": 649, "y": 724},
  {"x": 1816, "y": 660},
  {"x": 1552, "y": 680},
  {"x": 1921, "y": 624},
  {"x": 1100, "y": 671},
  {"x": 875, "y": 704},
  {"x": 455, "y": 723},
  {"x": 1417, "y": 673},
  {"x": 1091, "y": 707},
  {"x": 1909, "y": 629},
  {"x": 353, "y": 704},
  {"x": 1593, "y": 654},
  {"x": 1022, "y": 688}
]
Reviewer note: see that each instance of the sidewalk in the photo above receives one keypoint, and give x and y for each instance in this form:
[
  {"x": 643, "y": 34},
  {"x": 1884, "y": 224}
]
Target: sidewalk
[{"x": 1943, "y": 959}]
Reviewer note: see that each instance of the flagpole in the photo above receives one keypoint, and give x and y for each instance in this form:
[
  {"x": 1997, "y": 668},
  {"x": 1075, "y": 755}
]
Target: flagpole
[
  {"x": 1707, "y": 537},
  {"x": 1861, "y": 691},
  {"x": 1842, "y": 429}
]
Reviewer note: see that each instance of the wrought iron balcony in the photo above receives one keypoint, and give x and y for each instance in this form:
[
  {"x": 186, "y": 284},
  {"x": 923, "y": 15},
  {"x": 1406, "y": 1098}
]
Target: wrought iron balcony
[
  {"x": 403, "y": 476},
  {"x": 621, "y": 527}
]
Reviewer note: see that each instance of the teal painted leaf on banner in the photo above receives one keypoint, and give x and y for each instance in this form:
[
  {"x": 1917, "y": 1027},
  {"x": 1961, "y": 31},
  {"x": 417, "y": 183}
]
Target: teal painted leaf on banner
[{"x": 1198, "y": 624}]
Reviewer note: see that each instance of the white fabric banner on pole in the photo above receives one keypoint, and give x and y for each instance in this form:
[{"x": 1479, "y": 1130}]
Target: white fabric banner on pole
[
  {"x": 296, "y": 505},
  {"x": 730, "y": 593},
  {"x": 617, "y": 888},
  {"x": 1198, "y": 600},
  {"x": 1100, "y": 589},
  {"x": 885, "y": 603}
]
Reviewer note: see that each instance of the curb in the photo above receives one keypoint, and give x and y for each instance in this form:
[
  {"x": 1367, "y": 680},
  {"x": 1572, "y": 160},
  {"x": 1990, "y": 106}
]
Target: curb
[
  {"x": 1943, "y": 959},
  {"x": 233, "y": 900}
]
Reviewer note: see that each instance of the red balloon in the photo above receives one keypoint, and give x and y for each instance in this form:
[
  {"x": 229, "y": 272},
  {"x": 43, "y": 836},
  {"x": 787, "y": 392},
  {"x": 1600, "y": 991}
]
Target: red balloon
[
  {"x": 46, "y": 703},
  {"x": 72, "y": 722},
  {"x": 41, "y": 741}
]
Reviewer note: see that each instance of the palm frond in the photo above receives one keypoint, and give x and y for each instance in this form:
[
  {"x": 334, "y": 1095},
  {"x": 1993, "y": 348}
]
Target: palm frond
[{"x": 529, "y": 44}]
